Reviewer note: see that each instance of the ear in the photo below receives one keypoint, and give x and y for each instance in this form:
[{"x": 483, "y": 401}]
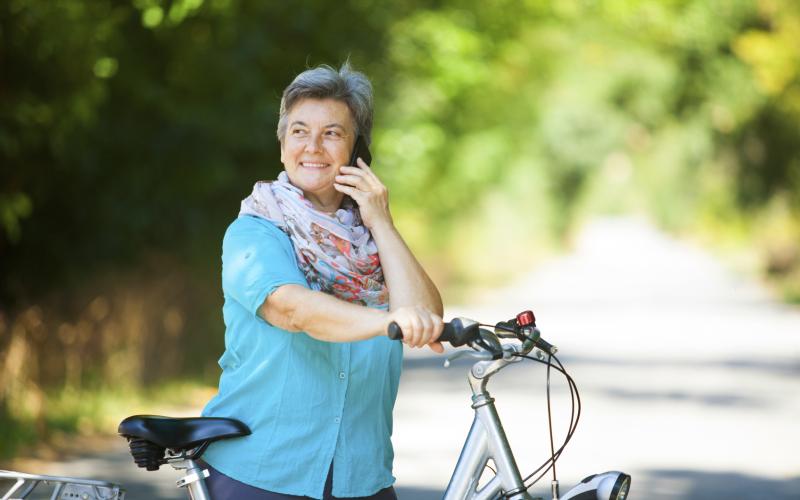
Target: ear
[{"x": 282, "y": 151}]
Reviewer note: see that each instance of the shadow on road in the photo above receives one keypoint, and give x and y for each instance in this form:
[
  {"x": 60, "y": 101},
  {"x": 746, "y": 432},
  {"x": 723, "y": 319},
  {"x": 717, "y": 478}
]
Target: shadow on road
[
  {"x": 683, "y": 484},
  {"x": 454, "y": 378},
  {"x": 417, "y": 494},
  {"x": 780, "y": 367},
  {"x": 707, "y": 485}
]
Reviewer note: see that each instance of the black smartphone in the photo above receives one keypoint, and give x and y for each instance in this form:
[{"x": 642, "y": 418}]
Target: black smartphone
[{"x": 360, "y": 150}]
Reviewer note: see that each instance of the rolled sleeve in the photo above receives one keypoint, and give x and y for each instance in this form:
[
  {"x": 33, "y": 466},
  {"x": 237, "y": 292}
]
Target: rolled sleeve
[{"x": 257, "y": 258}]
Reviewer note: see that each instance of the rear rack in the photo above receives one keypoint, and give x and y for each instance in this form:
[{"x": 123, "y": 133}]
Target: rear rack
[{"x": 64, "y": 488}]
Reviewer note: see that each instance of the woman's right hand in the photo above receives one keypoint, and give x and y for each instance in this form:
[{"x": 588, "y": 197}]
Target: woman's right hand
[{"x": 420, "y": 326}]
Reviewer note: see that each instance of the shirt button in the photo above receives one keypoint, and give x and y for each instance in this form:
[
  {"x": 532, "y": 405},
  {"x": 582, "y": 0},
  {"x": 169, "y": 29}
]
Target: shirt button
[
  {"x": 337, "y": 420},
  {"x": 342, "y": 375}
]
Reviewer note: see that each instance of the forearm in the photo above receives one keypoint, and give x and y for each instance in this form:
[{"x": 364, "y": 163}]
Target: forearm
[
  {"x": 407, "y": 281},
  {"x": 322, "y": 316}
]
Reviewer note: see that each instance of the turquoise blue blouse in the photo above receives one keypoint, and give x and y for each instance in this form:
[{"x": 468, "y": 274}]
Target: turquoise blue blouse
[{"x": 308, "y": 402}]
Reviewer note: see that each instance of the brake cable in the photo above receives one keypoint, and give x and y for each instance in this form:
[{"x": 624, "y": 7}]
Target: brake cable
[
  {"x": 550, "y": 419},
  {"x": 574, "y": 418},
  {"x": 575, "y": 413}
]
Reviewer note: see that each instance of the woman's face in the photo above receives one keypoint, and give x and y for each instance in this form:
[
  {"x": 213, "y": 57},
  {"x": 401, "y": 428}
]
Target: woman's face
[{"x": 319, "y": 137}]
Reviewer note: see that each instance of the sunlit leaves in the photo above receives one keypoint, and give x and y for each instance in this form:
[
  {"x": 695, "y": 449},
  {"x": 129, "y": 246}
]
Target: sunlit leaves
[
  {"x": 644, "y": 96},
  {"x": 775, "y": 56},
  {"x": 105, "y": 67},
  {"x": 155, "y": 12},
  {"x": 441, "y": 48}
]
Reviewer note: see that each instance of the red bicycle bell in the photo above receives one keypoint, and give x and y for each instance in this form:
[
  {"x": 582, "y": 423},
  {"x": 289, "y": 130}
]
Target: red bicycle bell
[{"x": 526, "y": 318}]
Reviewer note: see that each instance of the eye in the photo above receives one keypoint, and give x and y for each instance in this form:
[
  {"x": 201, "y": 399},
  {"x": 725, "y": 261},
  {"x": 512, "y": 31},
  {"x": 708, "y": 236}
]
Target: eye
[
  {"x": 333, "y": 133},
  {"x": 298, "y": 131}
]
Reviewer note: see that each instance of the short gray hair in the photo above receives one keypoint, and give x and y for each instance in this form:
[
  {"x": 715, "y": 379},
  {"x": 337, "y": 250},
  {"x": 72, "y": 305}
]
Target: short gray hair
[{"x": 324, "y": 82}]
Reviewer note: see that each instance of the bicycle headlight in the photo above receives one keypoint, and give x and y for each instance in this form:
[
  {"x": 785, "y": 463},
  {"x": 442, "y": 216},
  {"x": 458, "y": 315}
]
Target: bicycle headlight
[
  {"x": 615, "y": 486},
  {"x": 611, "y": 485}
]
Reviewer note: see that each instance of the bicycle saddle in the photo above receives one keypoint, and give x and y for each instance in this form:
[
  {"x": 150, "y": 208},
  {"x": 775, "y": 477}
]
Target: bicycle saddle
[{"x": 149, "y": 435}]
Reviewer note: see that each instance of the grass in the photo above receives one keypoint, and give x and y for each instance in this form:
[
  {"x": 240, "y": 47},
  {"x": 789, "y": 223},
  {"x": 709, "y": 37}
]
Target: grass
[{"x": 90, "y": 412}]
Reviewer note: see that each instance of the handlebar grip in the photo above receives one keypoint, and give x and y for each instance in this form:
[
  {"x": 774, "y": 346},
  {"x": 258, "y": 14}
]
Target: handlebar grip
[
  {"x": 455, "y": 332},
  {"x": 546, "y": 346},
  {"x": 449, "y": 333},
  {"x": 394, "y": 332}
]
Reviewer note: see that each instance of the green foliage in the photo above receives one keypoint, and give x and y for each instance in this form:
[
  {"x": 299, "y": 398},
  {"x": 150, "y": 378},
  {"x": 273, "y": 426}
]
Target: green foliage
[
  {"x": 152, "y": 117},
  {"x": 87, "y": 412}
]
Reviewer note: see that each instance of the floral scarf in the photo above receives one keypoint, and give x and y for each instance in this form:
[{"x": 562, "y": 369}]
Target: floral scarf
[{"x": 335, "y": 252}]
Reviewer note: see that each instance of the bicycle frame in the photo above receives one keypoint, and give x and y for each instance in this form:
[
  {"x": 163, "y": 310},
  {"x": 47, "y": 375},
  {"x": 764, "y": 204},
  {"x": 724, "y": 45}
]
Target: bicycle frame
[{"x": 487, "y": 440}]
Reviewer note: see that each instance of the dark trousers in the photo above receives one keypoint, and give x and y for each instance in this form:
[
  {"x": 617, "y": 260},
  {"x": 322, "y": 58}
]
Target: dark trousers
[{"x": 222, "y": 487}]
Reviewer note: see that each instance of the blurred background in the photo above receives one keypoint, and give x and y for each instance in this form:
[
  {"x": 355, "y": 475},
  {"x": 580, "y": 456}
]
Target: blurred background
[{"x": 131, "y": 129}]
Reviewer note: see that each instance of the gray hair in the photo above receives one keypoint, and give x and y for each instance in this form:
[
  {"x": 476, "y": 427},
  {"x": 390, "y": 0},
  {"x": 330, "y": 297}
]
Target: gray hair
[{"x": 324, "y": 82}]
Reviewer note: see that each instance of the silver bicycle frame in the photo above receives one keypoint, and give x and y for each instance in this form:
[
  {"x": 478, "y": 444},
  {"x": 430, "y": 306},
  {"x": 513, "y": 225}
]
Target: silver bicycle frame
[{"x": 487, "y": 440}]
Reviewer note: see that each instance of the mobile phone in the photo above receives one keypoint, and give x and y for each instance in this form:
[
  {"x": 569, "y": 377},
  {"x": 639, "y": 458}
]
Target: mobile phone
[{"x": 360, "y": 150}]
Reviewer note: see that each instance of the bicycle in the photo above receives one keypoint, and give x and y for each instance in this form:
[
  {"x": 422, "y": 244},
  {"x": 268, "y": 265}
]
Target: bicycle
[{"x": 180, "y": 442}]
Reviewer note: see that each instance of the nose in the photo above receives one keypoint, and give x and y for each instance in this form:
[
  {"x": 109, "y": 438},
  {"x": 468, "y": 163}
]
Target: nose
[{"x": 314, "y": 142}]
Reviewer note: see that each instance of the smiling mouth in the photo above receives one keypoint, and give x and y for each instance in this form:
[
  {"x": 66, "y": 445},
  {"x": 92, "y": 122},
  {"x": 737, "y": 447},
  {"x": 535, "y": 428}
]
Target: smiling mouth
[{"x": 309, "y": 164}]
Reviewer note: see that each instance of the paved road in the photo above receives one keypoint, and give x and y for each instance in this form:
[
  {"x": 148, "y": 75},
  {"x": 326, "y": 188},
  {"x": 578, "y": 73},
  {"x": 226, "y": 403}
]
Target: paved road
[{"x": 689, "y": 376}]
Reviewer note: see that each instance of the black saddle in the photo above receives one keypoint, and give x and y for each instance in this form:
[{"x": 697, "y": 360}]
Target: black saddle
[{"x": 150, "y": 435}]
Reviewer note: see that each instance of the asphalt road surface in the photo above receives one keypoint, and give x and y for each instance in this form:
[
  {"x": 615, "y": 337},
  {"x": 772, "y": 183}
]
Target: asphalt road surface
[{"x": 689, "y": 377}]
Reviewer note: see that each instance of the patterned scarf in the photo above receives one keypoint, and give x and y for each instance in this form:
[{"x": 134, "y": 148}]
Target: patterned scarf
[{"x": 335, "y": 252}]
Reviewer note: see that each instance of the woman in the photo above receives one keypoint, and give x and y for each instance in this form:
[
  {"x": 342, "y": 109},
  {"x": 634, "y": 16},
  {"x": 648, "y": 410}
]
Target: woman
[{"x": 313, "y": 272}]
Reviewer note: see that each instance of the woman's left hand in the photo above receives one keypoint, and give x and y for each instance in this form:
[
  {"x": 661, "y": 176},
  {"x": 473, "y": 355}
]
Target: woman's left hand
[{"x": 368, "y": 192}]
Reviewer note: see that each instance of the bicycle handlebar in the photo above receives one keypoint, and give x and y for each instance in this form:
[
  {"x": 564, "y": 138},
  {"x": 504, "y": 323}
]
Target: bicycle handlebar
[
  {"x": 461, "y": 331},
  {"x": 458, "y": 332}
]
